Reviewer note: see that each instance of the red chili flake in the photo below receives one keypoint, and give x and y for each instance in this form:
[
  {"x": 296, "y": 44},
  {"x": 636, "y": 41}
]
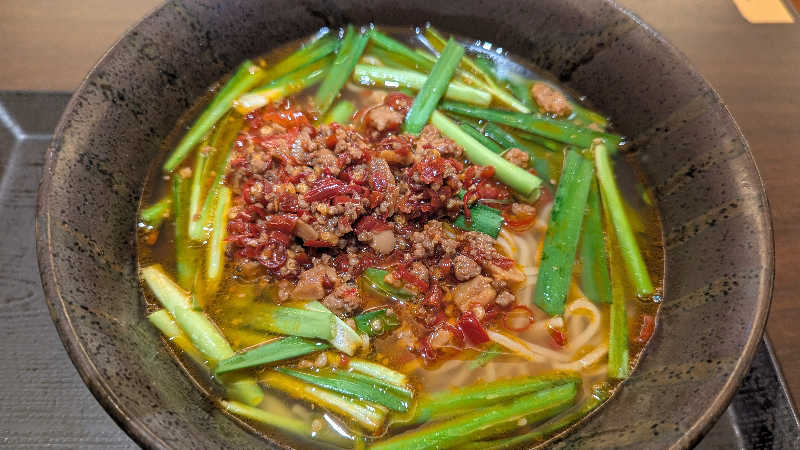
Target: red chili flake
[
  {"x": 401, "y": 272},
  {"x": 375, "y": 199},
  {"x": 519, "y": 222},
  {"x": 370, "y": 223},
  {"x": 521, "y": 314},
  {"x": 427, "y": 352},
  {"x": 342, "y": 263},
  {"x": 398, "y": 101},
  {"x": 471, "y": 327},
  {"x": 280, "y": 236},
  {"x": 286, "y": 116},
  {"x": 456, "y": 332},
  {"x": 280, "y": 222},
  {"x": 273, "y": 256},
  {"x": 331, "y": 141},
  {"x": 433, "y": 296},
  {"x": 252, "y": 211},
  {"x": 492, "y": 311},
  {"x": 430, "y": 170},
  {"x": 236, "y": 227},
  {"x": 469, "y": 198},
  {"x": 303, "y": 260},
  {"x": 400, "y": 144},
  {"x": 340, "y": 199},
  {"x": 494, "y": 190},
  {"x": 324, "y": 188},
  {"x": 289, "y": 203},
  {"x": 558, "y": 335},
  {"x": 378, "y": 180},
  {"x": 238, "y": 162},
  {"x": 445, "y": 265},
  {"x": 646, "y": 329},
  {"x": 503, "y": 263},
  {"x": 365, "y": 259}
]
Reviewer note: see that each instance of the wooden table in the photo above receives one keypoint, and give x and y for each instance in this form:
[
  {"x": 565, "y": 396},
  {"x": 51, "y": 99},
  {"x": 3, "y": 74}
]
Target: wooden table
[{"x": 756, "y": 68}]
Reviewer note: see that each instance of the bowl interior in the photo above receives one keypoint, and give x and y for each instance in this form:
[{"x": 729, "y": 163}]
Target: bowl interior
[{"x": 717, "y": 232}]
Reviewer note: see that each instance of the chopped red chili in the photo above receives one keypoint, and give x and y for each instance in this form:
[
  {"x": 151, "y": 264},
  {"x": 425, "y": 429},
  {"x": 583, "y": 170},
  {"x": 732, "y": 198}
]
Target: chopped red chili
[
  {"x": 518, "y": 318},
  {"x": 471, "y": 328},
  {"x": 646, "y": 329}
]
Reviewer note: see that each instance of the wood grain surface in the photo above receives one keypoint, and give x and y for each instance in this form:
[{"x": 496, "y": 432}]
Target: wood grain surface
[{"x": 50, "y": 45}]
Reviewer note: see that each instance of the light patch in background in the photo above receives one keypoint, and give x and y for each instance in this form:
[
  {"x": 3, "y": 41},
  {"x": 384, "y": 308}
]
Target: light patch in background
[{"x": 764, "y": 11}]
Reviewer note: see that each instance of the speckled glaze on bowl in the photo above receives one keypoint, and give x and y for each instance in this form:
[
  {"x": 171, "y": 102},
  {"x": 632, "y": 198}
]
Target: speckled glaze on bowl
[{"x": 718, "y": 235}]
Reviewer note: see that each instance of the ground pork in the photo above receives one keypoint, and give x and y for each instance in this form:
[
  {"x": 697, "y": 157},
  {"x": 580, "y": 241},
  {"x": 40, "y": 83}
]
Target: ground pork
[
  {"x": 517, "y": 157},
  {"x": 465, "y": 268},
  {"x": 551, "y": 100},
  {"x": 343, "y": 300},
  {"x": 478, "y": 290}
]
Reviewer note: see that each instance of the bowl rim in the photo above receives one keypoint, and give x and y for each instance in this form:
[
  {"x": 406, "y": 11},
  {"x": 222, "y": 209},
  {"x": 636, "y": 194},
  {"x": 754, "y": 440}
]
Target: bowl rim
[
  {"x": 764, "y": 301},
  {"x": 144, "y": 436}
]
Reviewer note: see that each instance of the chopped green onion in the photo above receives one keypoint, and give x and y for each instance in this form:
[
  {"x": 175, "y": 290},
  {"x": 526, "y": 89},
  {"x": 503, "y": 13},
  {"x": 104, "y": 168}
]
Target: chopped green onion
[
  {"x": 400, "y": 390},
  {"x": 313, "y": 52},
  {"x": 345, "y": 339},
  {"x": 595, "y": 280},
  {"x": 538, "y": 124},
  {"x": 487, "y": 80},
  {"x": 587, "y": 116},
  {"x": 203, "y": 334},
  {"x": 166, "y": 324},
  {"x": 393, "y": 46},
  {"x": 507, "y": 141},
  {"x": 484, "y": 219},
  {"x": 563, "y": 233},
  {"x": 378, "y": 371},
  {"x": 245, "y": 77},
  {"x": 290, "y": 321},
  {"x": 481, "y": 395},
  {"x": 185, "y": 256},
  {"x": 521, "y": 88},
  {"x": 479, "y": 136},
  {"x": 368, "y": 416},
  {"x": 487, "y": 355},
  {"x": 434, "y": 87},
  {"x": 548, "y": 429},
  {"x": 612, "y": 199},
  {"x": 294, "y": 82},
  {"x": 215, "y": 259},
  {"x": 463, "y": 429},
  {"x": 376, "y": 322},
  {"x": 296, "y": 426},
  {"x": 388, "y": 77},
  {"x": 376, "y": 283},
  {"x": 361, "y": 391},
  {"x": 618, "y": 351},
  {"x": 198, "y": 180},
  {"x": 502, "y": 137},
  {"x": 392, "y": 60},
  {"x": 340, "y": 113},
  {"x": 525, "y": 183},
  {"x": 349, "y": 53},
  {"x": 155, "y": 214},
  {"x": 275, "y": 350},
  {"x": 198, "y": 227}
]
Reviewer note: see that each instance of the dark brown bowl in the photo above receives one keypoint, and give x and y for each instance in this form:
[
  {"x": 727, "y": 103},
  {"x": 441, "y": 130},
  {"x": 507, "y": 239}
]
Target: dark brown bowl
[{"x": 717, "y": 229}]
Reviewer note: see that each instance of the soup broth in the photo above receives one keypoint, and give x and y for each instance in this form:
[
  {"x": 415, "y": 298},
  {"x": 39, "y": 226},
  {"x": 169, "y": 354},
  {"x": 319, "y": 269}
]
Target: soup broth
[{"x": 430, "y": 305}]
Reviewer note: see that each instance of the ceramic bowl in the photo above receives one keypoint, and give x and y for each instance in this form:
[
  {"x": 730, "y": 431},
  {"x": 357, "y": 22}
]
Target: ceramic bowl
[{"x": 717, "y": 231}]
